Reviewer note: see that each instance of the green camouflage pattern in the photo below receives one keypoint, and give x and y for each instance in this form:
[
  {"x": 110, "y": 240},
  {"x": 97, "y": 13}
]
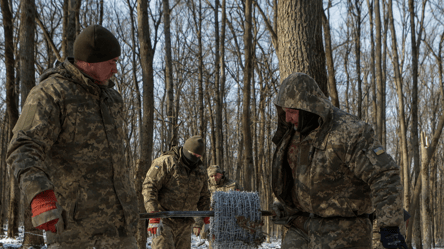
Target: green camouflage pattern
[
  {"x": 175, "y": 234},
  {"x": 295, "y": 239},
  {"x": 339, "y": 233},
  {"x": 170, "y": 186},
  {"x": 342, "y": 169},
  {"x": 69, "y": 138}
]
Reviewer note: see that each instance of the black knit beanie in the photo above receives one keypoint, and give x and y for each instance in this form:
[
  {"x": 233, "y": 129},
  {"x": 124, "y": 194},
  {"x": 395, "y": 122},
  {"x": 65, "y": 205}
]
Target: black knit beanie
[
  {"x": 96, "y": 44},
  {"x": 193, "y": 144}
]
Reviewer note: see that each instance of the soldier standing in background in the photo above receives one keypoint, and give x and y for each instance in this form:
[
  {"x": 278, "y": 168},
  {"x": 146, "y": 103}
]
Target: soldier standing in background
[
  {"x": 67, "y": 150},
  {"x": 217, "y": 182},
  {"x": 329, "y": 172},
  {"x": 176, "y": 181}
]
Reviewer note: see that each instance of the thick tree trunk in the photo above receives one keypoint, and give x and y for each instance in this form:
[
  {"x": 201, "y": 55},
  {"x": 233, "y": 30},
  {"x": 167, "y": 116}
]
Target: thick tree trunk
[
  {"x": 27, "y": 31},
  {"x": 300, "y": 40}
]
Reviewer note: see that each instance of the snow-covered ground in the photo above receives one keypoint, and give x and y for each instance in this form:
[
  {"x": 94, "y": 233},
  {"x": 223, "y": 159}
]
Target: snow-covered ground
[{"x": 196, "y": 242}]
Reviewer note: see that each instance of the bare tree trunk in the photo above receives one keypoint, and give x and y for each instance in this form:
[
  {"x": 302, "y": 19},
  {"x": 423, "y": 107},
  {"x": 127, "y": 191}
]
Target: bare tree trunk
[
  {"x": 372, "y": 64},
  {"x": 169, "y": 75},
  {"x": 330, "y": 64},
  {"x": 414, "y": 204},
  {"x": 217, "y": 90},
  {"x": 425, "y": 193},
  {"x": 379, "y": 83},
  {"x": 101, "y": 12},
  {"x": 414, "y": 109},
  {"x": 222, "y": 84},
  {"x": 402, "y": 124},
  {"x": 300, "y": 40},
  {"x": 65, "y": 25},
  {"x": 358, "y": 54},
  {"x": 27, "y": 34},
  {"x": 146, "y": 144},
  {"x": 71, "y": 28},
  {"x": 246, "y": 118}
]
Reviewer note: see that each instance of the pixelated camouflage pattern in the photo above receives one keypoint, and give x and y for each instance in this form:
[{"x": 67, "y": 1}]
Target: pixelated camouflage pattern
[
  {"x": 295, "y": 239},
  {"x": 344, "y": 172},
  {"x": 176, "y": 234},
  {"x": 69, "y": 138},
  {"x": 339, "y": 233},
  {"x": 170, "y": 186}
]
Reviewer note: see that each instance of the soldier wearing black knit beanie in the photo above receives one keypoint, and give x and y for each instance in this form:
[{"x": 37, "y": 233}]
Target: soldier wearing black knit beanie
[
  {"x": 96, "y": 51},
  {"x": 68, "y": 151}
]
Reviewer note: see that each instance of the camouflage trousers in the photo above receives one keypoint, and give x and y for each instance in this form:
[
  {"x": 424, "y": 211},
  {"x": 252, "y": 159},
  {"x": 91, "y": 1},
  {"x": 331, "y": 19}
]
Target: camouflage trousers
[
  {"x": 318, "y": 233},
  {"x": 174, "y": 235},
  {"x": 108, "y": 243}
]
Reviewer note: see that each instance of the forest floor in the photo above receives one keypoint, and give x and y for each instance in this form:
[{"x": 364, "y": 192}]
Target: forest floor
[{"x": 196, "y": 242}]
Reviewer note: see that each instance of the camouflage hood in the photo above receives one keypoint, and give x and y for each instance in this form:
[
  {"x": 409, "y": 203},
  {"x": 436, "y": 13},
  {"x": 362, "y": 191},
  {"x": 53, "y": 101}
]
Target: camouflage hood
[{"x": 300, "y": 91}]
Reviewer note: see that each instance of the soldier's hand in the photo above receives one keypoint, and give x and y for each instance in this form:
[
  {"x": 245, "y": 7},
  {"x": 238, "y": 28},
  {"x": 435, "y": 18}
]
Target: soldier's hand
[
  {"x": 391, "y": 237},
  {"x": 207, "y": 225},
  {"x": 196, "y": 231},
  {"x": 45, "y": 202},
  {"x": 279, "y": 210},
  {"x": 155, "y": 227}
]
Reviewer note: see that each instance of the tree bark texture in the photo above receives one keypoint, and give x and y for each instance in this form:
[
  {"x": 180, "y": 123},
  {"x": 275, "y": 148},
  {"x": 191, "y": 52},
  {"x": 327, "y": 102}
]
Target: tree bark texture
[
  {"x": 246, "y": 117},
  {"x": 300, "y": 40},
  {"x": 401, "y": 115},
  {"x": 379, "y": 83},
  {"x": 330, "y": 63},
  {"x": 146, "y": 143},
  {"x": 169, "y": 74}
]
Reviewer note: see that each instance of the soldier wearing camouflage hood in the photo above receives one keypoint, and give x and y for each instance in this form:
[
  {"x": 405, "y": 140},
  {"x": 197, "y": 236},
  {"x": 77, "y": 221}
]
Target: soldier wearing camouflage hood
[
  {"x": 329, "y": 172},
  {"x": 67, "y": 150},
  {"x": 217, "y": 182},
  {"x": 176, "y": 181}
]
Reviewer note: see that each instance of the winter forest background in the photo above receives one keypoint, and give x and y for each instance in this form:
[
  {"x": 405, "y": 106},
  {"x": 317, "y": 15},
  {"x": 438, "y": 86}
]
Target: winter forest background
[{"x": 213, "y": 67}]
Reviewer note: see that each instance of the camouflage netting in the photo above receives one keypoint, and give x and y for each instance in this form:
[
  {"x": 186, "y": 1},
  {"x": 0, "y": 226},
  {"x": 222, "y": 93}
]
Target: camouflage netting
[{"x": 237, "y": 221}]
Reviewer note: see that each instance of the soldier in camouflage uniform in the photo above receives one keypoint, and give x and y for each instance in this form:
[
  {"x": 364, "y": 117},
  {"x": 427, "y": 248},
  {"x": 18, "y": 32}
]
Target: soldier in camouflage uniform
[
  {"x": 67, "y": 150},
  {"x": 329, "y": 172},
  {"x": 176, "y": 181},
  {"x": 217, "y": 182}
]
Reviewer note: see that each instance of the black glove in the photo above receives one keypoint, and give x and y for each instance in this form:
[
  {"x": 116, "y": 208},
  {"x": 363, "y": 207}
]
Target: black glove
[{"x": 392, "y": 238}]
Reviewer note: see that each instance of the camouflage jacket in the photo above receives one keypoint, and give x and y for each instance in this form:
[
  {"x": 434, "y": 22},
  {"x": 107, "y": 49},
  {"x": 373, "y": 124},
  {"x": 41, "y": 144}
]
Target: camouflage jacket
[
  {"x": 225, "y": 185},
  {"x": 69, "y": 138},
  {"x": 342, "y": 170},
  {"x": 171, "y": 186}
]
